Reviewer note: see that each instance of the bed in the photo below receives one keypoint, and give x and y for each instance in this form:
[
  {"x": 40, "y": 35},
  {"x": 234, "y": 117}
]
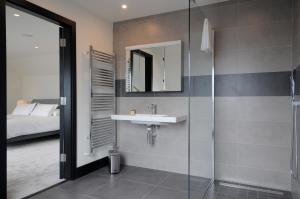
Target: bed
[{"x": 21, "y": 127}]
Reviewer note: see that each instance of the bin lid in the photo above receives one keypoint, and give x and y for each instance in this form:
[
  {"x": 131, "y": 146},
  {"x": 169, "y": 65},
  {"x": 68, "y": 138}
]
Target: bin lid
[{"x": 113, "y": 152}]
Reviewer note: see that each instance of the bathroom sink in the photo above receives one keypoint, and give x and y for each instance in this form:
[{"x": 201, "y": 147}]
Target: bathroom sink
[{"x": 149, "y": 119}]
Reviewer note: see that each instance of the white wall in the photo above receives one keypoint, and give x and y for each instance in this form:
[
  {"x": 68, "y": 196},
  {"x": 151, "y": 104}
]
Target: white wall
[
  {"x": 35, "y": 77},
  {"x": 40, "y": 87},
  {"x": 14, "y": 90},
  {"x": 91, "y": 30}
]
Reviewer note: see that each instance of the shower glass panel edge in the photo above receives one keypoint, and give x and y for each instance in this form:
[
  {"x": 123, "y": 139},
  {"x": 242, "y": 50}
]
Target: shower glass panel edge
[{"x": 201, "y": 107}]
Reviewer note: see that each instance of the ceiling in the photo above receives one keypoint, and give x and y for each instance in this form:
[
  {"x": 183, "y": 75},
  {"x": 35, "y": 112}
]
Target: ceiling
[
  {"x": 112, "y": 11},
  {"x": 26, "y": 31}
]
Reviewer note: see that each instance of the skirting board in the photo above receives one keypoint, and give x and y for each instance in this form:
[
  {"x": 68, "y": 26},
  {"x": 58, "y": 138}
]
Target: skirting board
[{"x": 93, "y": 166}]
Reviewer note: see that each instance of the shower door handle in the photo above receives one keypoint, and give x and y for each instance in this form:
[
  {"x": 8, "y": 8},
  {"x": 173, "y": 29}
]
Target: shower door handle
[{"x": 295, "y": 144}]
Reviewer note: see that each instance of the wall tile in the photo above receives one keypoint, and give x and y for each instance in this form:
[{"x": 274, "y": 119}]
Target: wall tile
[
  {"x": 226, "y": 172},
  {"x": 226, "y": 39},
  {"x": 296, "y": 48},
  {"x": 263, "y": 11},
  {"x": 267, "y": 109},
  {"x": 280, "y": 33},
  {"x": 253, "y": 12},
  {"x": 264, "y": 157},
  {"x": 262, "y": 84},
  {"x": 226, "y": 109},
  {"x": 226, "y": 62},
  {"x": 226, "y": 153},
  {"x": 226, "y": 85},
  {"x": 201, "y": 118},
  {"x": 201, "y": 168},
  {"x": 222, "y": 15},
  {"x": 264, "y": 178},
  {"x": 201, "y": 150},
  {"x": 253, "y": 36},
  {"x": 264, "y": 133},
  {"x": 264, "y": 60},
  {"x": 264, "y": 125},
  {"x": 281, "y": 10},
  {"x": 171, "y": 142},
  {"x": 156, "y": 162},
  {"x": 226, "y": 131}
]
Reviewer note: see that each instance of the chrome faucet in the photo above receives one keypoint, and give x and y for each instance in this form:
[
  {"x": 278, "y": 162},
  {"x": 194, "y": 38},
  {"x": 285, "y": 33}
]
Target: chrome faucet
[{"x": 154, "y": 109}]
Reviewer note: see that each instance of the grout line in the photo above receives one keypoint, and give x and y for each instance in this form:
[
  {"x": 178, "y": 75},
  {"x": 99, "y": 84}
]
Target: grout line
[{"x": 154, "y": 187}]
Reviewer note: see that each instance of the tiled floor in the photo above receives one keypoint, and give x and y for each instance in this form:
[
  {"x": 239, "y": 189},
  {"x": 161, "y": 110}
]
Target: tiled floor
[
  {"x": 131, "y": 183},
  {"x": 140, "y": 183}
]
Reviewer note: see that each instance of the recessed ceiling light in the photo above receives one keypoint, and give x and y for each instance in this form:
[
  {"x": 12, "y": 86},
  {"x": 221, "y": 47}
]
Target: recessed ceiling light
[
  {"x": 16, "y": 15},
  {"x": 36, "y": 47},
  {"x": 124, "y": 6}
]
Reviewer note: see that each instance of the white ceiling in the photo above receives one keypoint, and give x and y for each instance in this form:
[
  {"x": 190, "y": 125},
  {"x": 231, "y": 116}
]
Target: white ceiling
[
  {"x": 112, "y": 11},
  {"x": 27, "y": 31}
]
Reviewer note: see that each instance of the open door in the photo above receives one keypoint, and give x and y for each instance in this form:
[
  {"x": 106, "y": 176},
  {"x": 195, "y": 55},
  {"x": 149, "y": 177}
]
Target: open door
[
  {"x": 67, "y": 104},
  {"x": 63, "y": 103},
  {"x": 67, "y": 62}
]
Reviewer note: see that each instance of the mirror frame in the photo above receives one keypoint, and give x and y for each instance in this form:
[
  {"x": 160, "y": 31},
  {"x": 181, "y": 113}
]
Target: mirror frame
[{"x": 154, "y": 45}]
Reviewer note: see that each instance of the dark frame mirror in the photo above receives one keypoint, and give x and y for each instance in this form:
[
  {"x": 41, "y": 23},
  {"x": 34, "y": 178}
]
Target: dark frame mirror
[{"x": 156, "y": 67}]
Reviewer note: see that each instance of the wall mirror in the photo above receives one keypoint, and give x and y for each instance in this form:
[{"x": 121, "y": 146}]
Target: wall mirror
[{"x": 154, "y": 67}]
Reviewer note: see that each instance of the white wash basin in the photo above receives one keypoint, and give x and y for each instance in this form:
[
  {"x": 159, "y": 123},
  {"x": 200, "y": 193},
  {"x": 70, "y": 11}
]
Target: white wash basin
[{"x": 149, "y": 119}]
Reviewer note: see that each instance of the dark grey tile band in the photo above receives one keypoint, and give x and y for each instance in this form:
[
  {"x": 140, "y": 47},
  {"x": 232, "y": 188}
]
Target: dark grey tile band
[{"x": 253, "y": 84}]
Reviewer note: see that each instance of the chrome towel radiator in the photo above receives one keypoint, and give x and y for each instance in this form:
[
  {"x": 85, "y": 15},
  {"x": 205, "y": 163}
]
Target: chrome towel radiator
[{"x": 102, "y": 101}]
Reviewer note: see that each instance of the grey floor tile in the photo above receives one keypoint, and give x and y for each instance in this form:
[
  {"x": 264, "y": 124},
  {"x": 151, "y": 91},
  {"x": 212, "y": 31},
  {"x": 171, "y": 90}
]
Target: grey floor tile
[
  {"x": 148, "y": 176},
  {"x": 181, "y": 182},
  {"x": 252, "y": 195},
  {"x": 86, "y": 184},
  {"x": 105, "y": 172},
  {"x": 140, "y": 183},
  {"x": 56, "y": 193},
  {"x": 164, "y": 193},
  {"x": 122, "y": 189}
]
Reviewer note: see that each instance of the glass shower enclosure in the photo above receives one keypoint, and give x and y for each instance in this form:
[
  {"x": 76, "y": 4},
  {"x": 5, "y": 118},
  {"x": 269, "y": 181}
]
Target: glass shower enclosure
[{"x": 201, "y": 102}]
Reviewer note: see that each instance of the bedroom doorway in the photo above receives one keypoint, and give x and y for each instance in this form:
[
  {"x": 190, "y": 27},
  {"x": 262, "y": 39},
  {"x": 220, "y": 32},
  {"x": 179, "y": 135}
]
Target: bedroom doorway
[
  {"x": 38, "y": 135},
  {"x": 33, "y": 103}
]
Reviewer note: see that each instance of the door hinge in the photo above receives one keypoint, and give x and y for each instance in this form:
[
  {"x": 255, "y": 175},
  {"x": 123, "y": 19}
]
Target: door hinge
[
  {"x": 63, "y": 101},
  {"x": 62, "y": 42},
  {"x": 63, "y": 157}
]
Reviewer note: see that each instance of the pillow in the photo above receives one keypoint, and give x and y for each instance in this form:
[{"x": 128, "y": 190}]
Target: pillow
[
  {"x": 43, "y": 110},
  {"x": 23, "y": 109}
]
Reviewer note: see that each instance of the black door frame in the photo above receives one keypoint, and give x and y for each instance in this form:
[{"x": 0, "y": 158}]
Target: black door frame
[{"x": 68, "y": 89}]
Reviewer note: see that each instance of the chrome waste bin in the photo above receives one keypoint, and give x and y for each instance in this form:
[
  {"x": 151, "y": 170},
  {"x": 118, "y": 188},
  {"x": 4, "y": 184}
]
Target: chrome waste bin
[{"x": 114, "y": 161}]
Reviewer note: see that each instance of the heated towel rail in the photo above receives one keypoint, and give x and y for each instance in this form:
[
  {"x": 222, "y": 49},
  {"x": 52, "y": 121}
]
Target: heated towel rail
[{"x": 102, "y": 102}]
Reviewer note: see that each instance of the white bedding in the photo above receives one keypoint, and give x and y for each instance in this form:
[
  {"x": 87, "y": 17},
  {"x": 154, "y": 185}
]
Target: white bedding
[{"x": 18, "y": 125}]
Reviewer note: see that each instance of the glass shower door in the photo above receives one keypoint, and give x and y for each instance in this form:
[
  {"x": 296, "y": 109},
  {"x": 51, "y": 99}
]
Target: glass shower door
[{"x": 201, "y": 105}]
